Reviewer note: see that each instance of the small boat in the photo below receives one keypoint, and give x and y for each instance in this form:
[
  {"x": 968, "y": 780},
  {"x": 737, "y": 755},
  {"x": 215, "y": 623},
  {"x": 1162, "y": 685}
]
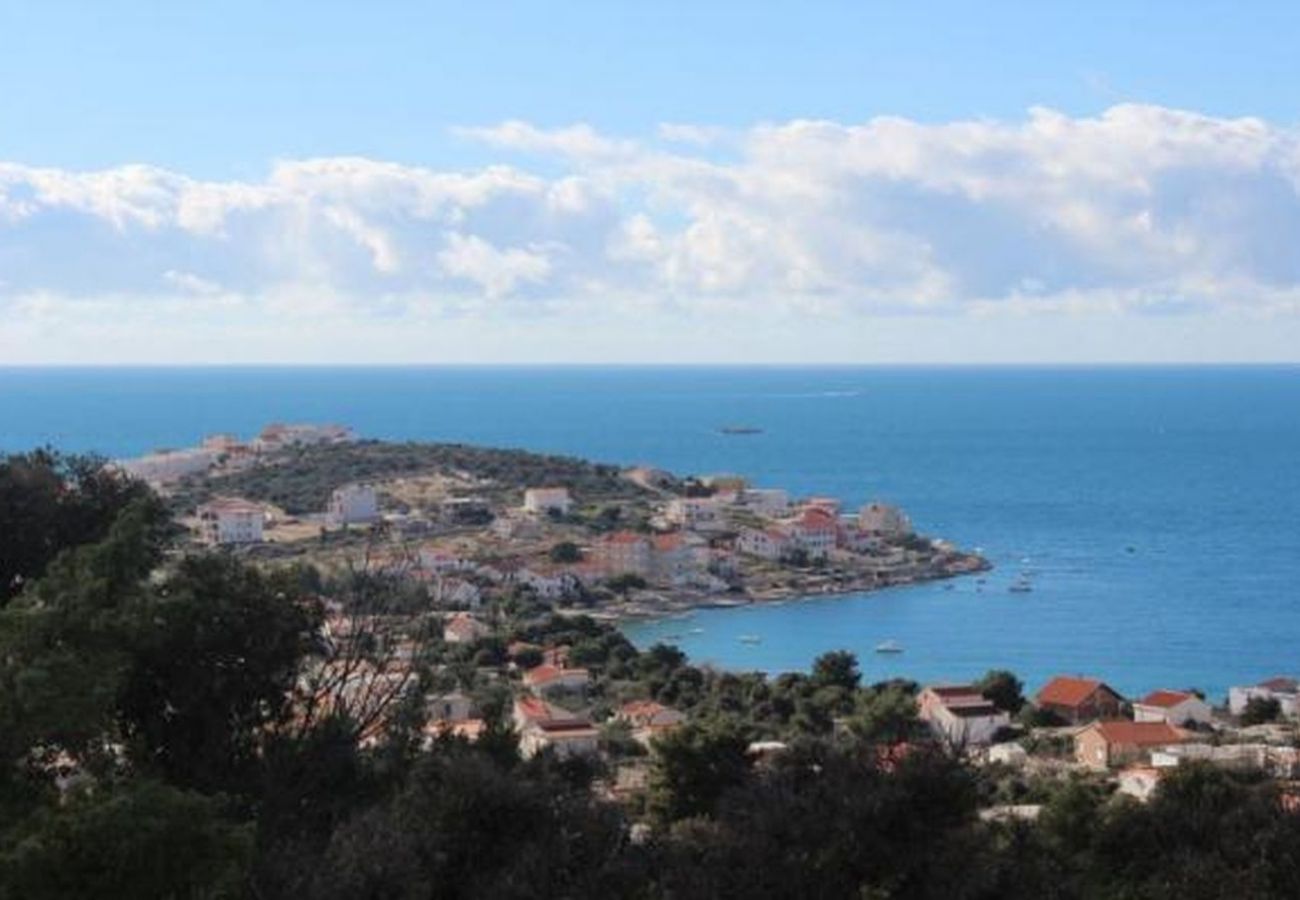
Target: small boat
[
  {"x": 750, "y": 639},
  {"x": 740, "y": 429},
  {"x": 889, "y": 647},
  {"x": 672, "y": 637},
  {"x": 1020, "y": 586},
  {"x": 697, "y": 631}
]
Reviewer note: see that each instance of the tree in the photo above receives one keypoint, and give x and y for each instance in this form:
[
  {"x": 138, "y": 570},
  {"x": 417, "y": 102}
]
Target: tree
[
  {"x": 1260, "y": 710},
  {"x": 692, "y": 767},
  {"x": 1003, "y": 689},
  {"x": 565, "y": 552},
  {"x": 625, "y": 583},
  {"x": 218, "y": 647},
  {"x": 138, "y": 839},
  {"x": 838, "y": 668},
  {"x": 50, "y": 502},
  {"x": 886, "y": 715}
]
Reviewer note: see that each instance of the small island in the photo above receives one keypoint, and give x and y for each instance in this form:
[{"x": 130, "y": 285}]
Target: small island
[{"x": 472, "y": 523}]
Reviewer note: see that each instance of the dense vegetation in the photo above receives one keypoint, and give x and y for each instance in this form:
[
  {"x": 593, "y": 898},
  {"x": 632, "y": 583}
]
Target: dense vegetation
[
  {"x": 153, "y": 744},
  {"x": 300, "y": 480}
]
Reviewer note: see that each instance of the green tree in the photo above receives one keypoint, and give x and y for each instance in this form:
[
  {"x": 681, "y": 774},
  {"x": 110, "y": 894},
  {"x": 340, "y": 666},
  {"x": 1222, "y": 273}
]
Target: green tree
[
  {"x": 1003, "y": 689},
  {"x": 565, "y": 552},
  {"x": 838, "y": 668},
  {"x": 217, "y": 650},
  {"x": 50, "y": 502},
  {"x": 138, "y": 839},
  {"x": 886, "y": 715},
  {"x": 1260, "y": 710},
  {"x": 693, "y": 766}
]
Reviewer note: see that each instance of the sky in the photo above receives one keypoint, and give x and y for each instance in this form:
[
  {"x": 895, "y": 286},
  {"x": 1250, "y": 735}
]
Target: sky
[{"x": 653, "y": 183}]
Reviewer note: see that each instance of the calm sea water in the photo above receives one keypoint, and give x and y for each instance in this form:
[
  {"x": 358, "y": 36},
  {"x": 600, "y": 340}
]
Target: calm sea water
[{"x": 1158, "y": 509}]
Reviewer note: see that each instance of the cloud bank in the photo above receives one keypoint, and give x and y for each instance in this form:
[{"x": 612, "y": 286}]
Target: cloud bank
[{"x": 1140, "y": 210}]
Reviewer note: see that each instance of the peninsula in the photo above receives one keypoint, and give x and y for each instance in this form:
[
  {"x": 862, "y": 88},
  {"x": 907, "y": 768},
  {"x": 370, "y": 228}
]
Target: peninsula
[{"x": 473, "y": 523}]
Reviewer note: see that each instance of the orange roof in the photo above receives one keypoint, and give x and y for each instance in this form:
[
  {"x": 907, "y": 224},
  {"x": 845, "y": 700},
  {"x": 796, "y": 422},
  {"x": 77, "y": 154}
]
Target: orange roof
[
  {"x": 1166, "y": 699},
  {"x": 624, "y": 537},
  {"x": 1064, "y": 690},
  {"x": 1140, "y": 734},
  {"x": 546, "y": 673},
  {"x": 668, "y": 541}
]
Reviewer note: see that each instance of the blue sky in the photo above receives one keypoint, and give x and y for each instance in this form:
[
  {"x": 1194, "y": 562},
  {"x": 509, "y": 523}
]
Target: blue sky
[{"x": 656, "y": 182}]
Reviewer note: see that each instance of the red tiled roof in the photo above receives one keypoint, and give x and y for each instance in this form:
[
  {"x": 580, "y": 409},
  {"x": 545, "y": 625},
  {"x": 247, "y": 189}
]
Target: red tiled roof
[
  {"x": 1281, "y": 685},
  {"x": 1139, "y": 734},
  {"x": 1067, "y": 691},
  {"x": 546, "y": 673},
  {"x": 665, "y": 542},
  {"x": 1166, "y": 699},
  {"x": 624, "y": 537}
]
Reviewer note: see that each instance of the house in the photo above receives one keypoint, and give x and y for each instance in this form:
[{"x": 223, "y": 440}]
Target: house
[
  {"x": 230, "y": 520},
  {"x": 545, "y": 500},
  {"x": 1106, "y": 745},
  {"x": 695, "y": 513},
  {"x": 353, "y": 504},
  {"x": 816, "y": 532},
  {"x": 1174, "y": 707},
  {"x": 673, "y": 557},
  {"x": 542, "y": 726},
  {"x": 1286, "y": 691},
  {"x": 456, "y": 592},
  {"x": 547, "y": 677},
  {"x": 829, "y": 505},
  {"x": 277, "y": 436},
  {"x": 648, "y": 719},
  {"x": 623, "y": 553},
  {"x": 462, "y": 628},
  {"x": 550, "y": 583},
  {"x": 767, "y": 543},
  {"x": 452, "y": 707},
  {"x": 884, "y": 520},
  {"x": 769, "y": 502},
  {"x": 960, "y": 715},
  {"x": 1077, "y": 700}
]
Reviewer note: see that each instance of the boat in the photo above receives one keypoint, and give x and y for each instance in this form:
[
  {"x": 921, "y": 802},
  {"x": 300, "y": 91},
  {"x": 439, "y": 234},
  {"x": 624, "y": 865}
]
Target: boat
[
  {"x": 1020, "y": 586},
  {"x": 740, "y": 429},
  {"x": 697, "y": 631},
  {"x": 750, "y": 639},
  {"x": 889, "y": 647}
]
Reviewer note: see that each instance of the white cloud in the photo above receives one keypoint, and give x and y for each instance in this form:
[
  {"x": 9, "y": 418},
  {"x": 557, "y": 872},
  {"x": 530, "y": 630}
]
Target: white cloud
[
  {"x": 1141, "y": 210},
  {"x": 497, "y": 271}
]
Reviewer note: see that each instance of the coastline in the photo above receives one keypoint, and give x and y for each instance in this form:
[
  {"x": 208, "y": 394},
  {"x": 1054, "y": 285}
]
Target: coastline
[{"x": 656, "y": 605}]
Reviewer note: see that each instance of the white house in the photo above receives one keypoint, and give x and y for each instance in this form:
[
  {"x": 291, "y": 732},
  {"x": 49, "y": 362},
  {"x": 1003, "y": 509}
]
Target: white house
[
  {"x": 1174, "y": 707},
  {"x": 960, "y": 715},
  {"x": 550, "y": 584},
  {"x": 230, "y": 520},
  {"x": 695, "y": 513},
  {"x": 1285, "y": 691},
  {"x": 768, "y": 543},
  {"x": 816, "y": 532},
  {"x": 884, "y": 520},
  {"x": 543, "y": 500},
  {"x": 453, "y": 707},
  {"x": 770, "y": 502},
  {"x": 462, "y": 628},
  {"x": 542, "y": 726},
  {"x": 353, "y": 503}
]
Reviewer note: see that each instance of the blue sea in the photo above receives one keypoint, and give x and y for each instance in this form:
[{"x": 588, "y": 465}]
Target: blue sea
[{"x": 1157, "y": 509}]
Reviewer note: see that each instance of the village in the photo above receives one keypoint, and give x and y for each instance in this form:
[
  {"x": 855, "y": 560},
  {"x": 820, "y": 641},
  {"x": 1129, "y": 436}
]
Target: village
[
  {"x": 653, "y": 544},
  {"x": 512, "y": 584}
]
